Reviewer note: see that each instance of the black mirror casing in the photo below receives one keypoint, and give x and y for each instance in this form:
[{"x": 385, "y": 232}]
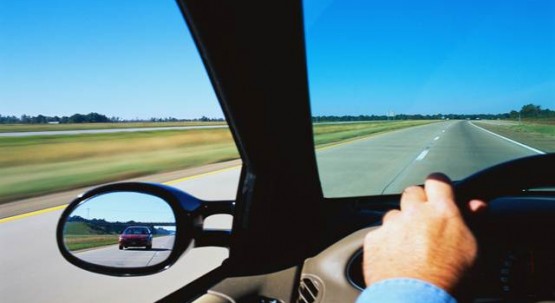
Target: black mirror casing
[{"x": 188, "y": 212}]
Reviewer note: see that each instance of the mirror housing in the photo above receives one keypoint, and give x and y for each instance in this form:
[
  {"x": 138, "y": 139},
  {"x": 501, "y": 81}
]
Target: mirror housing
[{"x": 188, "y": 211}]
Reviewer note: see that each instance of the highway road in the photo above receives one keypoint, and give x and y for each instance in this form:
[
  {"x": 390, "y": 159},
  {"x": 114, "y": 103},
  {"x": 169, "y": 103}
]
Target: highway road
[
  {"x": 34, "y": 271},
  {"x": 388, "y": 163},
  {"x": 130, "y": 257}
]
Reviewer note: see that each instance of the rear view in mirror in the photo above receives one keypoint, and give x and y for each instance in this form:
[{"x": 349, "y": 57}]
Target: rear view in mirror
[{"x": 121, "y": 230}]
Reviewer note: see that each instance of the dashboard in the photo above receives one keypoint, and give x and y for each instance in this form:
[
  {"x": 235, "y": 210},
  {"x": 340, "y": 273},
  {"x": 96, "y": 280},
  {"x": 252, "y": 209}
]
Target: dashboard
[
  {"x": 517, "y": 250},
  {"x": 516, "y": 259}
]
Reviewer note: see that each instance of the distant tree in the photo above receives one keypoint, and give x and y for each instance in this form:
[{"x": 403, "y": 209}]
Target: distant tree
[
  {"x": 530, "y": 111},
  {"x": 40, "y": 119},
  {"x": 97, "y": 118},
  {"x": 88, "y": 118},
  {"x": 76, "y": 118},
  {"x": 25, "y": 119},
  {"x": 547, "y": 113},
  {"x": 9, "y": 119}
]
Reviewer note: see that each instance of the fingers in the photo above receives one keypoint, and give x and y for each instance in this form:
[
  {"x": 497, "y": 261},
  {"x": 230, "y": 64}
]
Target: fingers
[
  {"x": 438, "y": 188},
  {"x": 412, "y": 196},
  {"x": 441, "y": 195},
  {"x": 390, "y": 215},
  {"x": 439, "y": 177},
  {"x": 438, "y": 191},
  {"x": 477, "y": 206}
]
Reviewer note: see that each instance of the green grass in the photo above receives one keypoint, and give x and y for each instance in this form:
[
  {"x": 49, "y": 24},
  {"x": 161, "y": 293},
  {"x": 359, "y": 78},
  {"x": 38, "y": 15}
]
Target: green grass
[
  {"x": 31, "y": 166},
  {"x": 78, "y": 228},
  {"x": 34, "y": 166},
  {"x": 539, "y": 134},
  {"x": 87, "y": 126},
  {"x": 79, "y": 235},
  {"x": 80, "y": 242},
  {"x": 534, "y": 128}
]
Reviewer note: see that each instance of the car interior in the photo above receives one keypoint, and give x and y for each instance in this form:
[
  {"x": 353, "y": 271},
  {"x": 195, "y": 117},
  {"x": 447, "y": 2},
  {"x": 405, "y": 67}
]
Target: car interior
[{"x": 290, "y": 243}]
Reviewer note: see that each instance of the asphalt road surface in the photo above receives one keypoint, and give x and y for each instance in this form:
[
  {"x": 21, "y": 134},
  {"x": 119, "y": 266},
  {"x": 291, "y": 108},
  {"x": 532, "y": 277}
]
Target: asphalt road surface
[
  {"x": 390, "y": 162},
  {"x": 130, "y": 257},
  {"x": 34, "y": 271}
]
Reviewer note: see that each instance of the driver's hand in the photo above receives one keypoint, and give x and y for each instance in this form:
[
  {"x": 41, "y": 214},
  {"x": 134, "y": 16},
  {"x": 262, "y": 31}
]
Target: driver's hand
[{"x": 427, "y": 239}]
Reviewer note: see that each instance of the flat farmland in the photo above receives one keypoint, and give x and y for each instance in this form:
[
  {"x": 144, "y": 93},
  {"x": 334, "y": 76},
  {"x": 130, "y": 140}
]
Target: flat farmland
[
  {"x": 539, "y": 133},
  {"x": 38, "y": 165},
  {"x": 91, "y": 126}
]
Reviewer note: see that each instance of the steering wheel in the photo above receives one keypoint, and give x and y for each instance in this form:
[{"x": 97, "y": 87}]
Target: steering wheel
[
  {"x": 507, "y": 179},
  {"x": 521, "y": 205},
  {"x": 320, "y": 280}
]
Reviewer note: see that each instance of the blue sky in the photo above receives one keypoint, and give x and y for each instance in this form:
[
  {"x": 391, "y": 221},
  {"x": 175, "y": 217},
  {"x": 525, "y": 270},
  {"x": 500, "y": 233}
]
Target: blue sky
[
  {"x": 430, "y": 56},
  {"x": 120, "y": 58},
  {"x": 136, "y": 58},
  {"x": 126, "y": 206}
]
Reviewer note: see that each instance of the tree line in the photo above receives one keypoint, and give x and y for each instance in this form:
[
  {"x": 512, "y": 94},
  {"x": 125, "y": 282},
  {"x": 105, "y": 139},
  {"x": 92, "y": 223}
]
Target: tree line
[
  {"x": 91, "y": 118},
  {"x": 101, "y": 226},
  {"x": 528, "y": 111}
]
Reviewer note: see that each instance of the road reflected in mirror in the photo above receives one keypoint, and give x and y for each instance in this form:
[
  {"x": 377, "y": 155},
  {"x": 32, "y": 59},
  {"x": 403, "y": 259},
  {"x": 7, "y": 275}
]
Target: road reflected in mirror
[{"x": 121, "y": 230}]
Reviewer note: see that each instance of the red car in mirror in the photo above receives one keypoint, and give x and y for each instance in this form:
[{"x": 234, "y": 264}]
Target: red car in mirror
[{"x": 136, "y": 236}]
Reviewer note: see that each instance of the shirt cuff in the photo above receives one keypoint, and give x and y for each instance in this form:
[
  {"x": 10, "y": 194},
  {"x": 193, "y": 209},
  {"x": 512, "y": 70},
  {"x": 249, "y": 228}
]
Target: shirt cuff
[{"x": 404, "y": 290}]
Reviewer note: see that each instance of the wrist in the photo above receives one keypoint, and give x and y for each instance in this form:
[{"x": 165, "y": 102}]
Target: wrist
[{"x": 405, "y": 290}]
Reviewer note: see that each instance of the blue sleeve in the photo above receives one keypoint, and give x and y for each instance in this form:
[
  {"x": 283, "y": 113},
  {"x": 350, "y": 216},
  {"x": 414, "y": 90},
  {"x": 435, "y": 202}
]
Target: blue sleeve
[{"x": 404, "y": 290}]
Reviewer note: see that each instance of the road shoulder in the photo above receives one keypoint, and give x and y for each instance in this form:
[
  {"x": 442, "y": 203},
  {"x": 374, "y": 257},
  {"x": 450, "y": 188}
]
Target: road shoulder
[{"x": 56, "y": 200}]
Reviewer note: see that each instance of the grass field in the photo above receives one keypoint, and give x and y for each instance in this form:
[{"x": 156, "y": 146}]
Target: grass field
[
  {"x": 33, "y": 166},
  {"x": 80, "y": 242},
  {"x": 86, "y": 126},
  {"x": 539, "y": 134},
  {"x": 78, "y": 236}
]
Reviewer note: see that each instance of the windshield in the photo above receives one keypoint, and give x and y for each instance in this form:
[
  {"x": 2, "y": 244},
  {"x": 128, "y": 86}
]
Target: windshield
[
  {"x": 400, "y": 89},
  {"x": 136, "y": 231}
]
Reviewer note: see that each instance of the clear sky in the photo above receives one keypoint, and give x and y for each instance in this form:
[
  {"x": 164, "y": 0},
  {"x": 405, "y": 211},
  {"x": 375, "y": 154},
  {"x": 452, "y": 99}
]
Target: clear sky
[
  {"x": 125, "y": 207},
  {"x": 136, "y": 58},
  {"x": 439, "y": 56},
  {"x": 120, "y": 58}
]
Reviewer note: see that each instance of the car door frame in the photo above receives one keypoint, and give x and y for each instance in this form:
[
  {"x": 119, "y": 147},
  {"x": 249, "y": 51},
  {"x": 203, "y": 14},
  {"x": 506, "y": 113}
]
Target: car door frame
[{"x": 254, "y": 53}]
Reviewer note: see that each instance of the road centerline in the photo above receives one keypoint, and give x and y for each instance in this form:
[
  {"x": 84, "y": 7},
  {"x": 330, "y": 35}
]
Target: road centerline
[{"x": 422, "y": 155}]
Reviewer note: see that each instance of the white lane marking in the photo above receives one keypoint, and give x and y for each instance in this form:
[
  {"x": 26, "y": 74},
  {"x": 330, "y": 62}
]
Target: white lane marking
[
  {"x": 436, "y": 138},
  {"x": 512, "y": 141},
  {"x": 443, "y": 131},
  {"x": 422, "y": 155}
]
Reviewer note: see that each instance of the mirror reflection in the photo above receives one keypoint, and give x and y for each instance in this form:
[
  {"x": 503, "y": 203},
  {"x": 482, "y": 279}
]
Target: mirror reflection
[{"x": 121, "y": 229}]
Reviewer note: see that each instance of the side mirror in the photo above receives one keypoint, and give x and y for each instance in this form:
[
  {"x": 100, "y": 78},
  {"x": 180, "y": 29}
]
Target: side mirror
[{"x": 128, "y": 229}]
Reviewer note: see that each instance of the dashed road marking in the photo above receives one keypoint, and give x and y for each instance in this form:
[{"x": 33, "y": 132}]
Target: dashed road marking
[
  {"x": 422, "y": 155},
  {"x": 436, "y": 138}
]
